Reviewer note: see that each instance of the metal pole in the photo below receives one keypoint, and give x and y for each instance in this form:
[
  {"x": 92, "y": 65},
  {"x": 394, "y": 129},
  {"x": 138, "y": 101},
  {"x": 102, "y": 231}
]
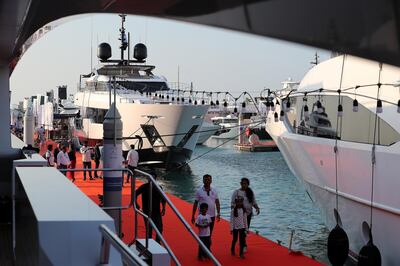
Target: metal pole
[
  {"x": 150, "y": 213},
  {"x": 112, "y": 184}
]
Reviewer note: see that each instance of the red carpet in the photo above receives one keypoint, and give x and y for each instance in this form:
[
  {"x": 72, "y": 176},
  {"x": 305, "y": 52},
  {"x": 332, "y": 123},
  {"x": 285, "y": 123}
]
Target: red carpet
[{"x": 261, "y": 250}]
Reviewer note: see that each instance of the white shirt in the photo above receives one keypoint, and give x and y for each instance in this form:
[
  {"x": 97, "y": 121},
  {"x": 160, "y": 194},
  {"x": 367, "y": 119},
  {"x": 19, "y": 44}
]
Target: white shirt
[
  {"x": 246, "y": 204},
  {"x": 254, "y": 139},
  {"x": 87, "y": 154},
  {"x": 239, "y": 222},
  {"x": 63, "y": 158},
  {"x": 49, "y": 157},
  {"x": 204, "y": 222},
  {"x": 202, "y": 196},
  {"x": 132, "y": 158}
]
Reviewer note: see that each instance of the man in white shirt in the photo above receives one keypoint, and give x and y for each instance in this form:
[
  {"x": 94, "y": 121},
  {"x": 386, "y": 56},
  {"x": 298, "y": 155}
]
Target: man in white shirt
[
  {"x": 87, "y": 159},
  {"x": 63, "y": 159},
  {"x": 208, "y": 195},
  {"x": 132, "y": 160}
]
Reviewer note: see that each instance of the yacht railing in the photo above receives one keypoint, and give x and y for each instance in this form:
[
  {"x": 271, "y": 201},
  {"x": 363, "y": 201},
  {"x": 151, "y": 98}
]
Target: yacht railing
[
  {"x": 109, "y": 237},
  {"x": 149, "y": 221}
]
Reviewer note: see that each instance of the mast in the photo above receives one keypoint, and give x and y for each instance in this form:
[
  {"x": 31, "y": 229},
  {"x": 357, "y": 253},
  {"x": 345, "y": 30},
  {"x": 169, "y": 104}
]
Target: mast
[{"x": 122, "y": 38}]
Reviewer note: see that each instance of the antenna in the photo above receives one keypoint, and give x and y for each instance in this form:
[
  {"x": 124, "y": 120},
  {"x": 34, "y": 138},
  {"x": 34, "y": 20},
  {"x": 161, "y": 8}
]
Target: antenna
[
  {"x": 122, "y": 38},
  {"x": 315, "y": 62},
  {"x": 91, "y": 44}
]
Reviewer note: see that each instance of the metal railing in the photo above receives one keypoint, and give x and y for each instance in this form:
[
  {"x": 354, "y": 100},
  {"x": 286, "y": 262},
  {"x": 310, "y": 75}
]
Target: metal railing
[
  {"x": 131, "y": 203},
  {"x": 149, "y": 221},
  {"x": 177, "y": 213},
  {"x": 128, "y": 256}
]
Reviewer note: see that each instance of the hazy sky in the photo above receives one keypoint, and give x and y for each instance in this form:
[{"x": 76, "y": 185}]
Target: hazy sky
[{"x": 213, "y": 59}]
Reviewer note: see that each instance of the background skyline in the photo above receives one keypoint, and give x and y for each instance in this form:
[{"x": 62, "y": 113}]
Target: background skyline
[{"x": 213, "y": 59}]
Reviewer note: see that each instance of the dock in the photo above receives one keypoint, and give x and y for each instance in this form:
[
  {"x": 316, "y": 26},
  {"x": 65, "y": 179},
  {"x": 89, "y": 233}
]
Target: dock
[
  {"x": 261, "y": 251},
  {"x": 262, "y": 146}
]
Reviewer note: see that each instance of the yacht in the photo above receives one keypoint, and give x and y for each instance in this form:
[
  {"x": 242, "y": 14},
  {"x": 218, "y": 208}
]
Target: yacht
[
  {"x": 163, "y": 130},
  {"x": 228, "y": 127},
  {"x": 347, "y": 151}
]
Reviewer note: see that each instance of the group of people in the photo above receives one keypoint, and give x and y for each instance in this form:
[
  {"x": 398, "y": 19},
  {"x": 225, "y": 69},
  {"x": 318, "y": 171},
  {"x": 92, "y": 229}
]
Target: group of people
[
  {"x": 207, "y": 204},
  {"x": 242, "y": 203},
  {"x": 64, "y": 157}
]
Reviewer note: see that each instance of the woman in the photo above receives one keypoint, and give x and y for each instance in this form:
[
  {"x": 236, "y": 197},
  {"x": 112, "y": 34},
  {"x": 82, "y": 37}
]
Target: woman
[{"x": 249, "y": 200}]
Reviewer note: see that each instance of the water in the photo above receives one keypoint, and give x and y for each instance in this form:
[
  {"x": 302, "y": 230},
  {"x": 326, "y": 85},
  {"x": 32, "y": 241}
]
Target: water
[{"x": 283, "y": 201}]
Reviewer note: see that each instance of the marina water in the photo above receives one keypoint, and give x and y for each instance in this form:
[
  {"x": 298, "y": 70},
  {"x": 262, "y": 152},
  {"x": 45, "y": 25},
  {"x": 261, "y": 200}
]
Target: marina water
[{"x": 284, "y": 202}]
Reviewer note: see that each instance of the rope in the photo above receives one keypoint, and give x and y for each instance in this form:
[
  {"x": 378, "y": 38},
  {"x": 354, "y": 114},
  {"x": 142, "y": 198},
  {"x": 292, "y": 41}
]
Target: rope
[
  {"x": 373, "y": 155},
  {"x": 214, "y": 148},
  {"x": 335, "y": 149}
]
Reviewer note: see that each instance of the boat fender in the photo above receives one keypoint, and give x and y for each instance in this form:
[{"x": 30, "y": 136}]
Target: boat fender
[
  {"x": 369, "y": 254},
  {"x": 338, "y": 246}
]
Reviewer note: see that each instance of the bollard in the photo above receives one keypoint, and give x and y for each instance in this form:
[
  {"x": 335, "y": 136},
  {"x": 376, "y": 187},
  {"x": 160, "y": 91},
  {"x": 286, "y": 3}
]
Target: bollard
[{"x": 112, "y": 158}]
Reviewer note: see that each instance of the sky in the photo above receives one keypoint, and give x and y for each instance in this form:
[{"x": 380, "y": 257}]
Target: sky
[{"x": 213, "y": 59}]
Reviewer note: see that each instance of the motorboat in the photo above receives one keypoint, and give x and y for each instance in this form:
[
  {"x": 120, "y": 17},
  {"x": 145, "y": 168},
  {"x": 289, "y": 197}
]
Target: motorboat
[
  {"x": 206, "y": 131},
  {"x": 228, "y": 127},
  {"x": 163, "y": 129},
  {"x": 345, "y": 149}
]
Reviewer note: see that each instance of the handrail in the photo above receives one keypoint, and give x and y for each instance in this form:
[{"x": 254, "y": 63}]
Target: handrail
[
  {"x": 158, "y": 233},
  {"x": 131, "y": 203},
  {"x": 185, "y": 223},
  {"x": 127, "y": 254}
]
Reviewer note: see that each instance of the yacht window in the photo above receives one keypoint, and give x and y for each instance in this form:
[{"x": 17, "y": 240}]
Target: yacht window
[
  {"x": 96, "y": 114},
  {"x": 143, "y": 86},
  {"x": 356, "y": 126}
]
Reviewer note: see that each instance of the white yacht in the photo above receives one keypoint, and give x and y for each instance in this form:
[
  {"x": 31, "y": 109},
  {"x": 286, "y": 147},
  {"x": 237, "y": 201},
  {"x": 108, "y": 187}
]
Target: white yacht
[
  {"x": 228, "y": 127},
  {"x": 206, "y": 131},
  {"x": 307, "y": 131},
  {"x": 164, "y": 131}
]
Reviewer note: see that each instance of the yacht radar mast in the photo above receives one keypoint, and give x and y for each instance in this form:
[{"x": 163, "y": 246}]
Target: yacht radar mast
[{"x": 122, "y": 38}]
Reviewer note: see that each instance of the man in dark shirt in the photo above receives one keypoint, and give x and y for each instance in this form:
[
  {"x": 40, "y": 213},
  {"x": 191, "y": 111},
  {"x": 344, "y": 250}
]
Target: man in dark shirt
[
  {"x": 157, "y": 200},
  {"x": 97, "y": 156}
]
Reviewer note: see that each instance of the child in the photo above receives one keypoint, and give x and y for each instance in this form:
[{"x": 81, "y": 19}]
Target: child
[
  {"x": 203, "y": 222},
  {"x": 238, "y": 225}
]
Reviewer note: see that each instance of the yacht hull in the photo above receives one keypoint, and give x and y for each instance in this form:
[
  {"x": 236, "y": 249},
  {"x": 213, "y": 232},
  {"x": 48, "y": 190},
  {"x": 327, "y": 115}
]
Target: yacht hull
[
  {"x": 312, "y": 161},
  {"x": 174, "y": 128}
]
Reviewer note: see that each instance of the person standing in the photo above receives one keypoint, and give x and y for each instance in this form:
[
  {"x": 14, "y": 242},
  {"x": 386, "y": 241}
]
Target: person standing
[
  {"x": 41, "y": 132},
  {"x": 49, "y": 155},
  {"x": 203, "y": 222},
  {"x": 87, "y": 159},
  {"x": 63, "y": 159},
  {"x": 158, "y": 206},
  {"x": 249, "y": 200},
  {"x": 208, "y": 195},
  {"x": 132, "y": 160},
  {"x": 56, "y": 151},
  {"x": 97, "y": 157},
  {"x": 72, "y": 157},
  {"x": 238, "y": 226}
]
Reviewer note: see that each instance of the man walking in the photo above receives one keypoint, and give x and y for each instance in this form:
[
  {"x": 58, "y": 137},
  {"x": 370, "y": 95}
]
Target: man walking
[
  {"x": 63, "y": 159},
  {"x": 87, "y": 159},
  {"x": 132, "y": 160},
  {"x": 208, "y": 195},
  {"x": 157, "y": 200}
]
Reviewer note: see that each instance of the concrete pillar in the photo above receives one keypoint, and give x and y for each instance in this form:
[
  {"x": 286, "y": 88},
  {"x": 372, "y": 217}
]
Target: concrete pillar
[
  {"x": 7, "y": 154},
  {"x": 5, "y": 141},
  {"x": 112, "y": 154},
  {"x": 29, "y": 126}
]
